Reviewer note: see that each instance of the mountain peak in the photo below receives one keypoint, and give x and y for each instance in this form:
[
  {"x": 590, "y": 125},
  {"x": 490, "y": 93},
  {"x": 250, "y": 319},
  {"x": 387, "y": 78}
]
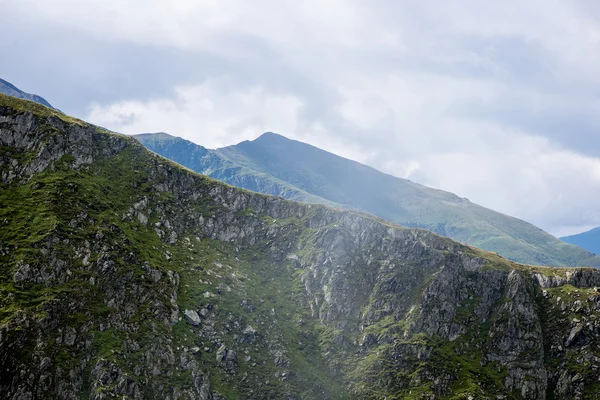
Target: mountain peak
[{"x": 271, "y": 136}]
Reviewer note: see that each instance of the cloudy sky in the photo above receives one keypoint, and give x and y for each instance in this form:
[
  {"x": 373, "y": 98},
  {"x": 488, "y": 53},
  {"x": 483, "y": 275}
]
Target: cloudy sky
[{"x": 495, "y": 101}]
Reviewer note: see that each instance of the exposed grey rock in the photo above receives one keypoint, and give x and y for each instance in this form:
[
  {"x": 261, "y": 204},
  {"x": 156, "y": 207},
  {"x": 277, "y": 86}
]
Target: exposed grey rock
[
  {"x": 574, "y": 334},
  {"x": 221, "y": 353},
  {"x": 249, "y": 330},
  {"x": 192, "y": 317}
]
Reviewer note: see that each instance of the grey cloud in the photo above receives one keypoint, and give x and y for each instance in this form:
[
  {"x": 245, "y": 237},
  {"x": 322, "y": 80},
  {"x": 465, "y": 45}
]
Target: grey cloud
[
  {"x": 573, "y": 129},
  {"x": 75, "y": 69}
]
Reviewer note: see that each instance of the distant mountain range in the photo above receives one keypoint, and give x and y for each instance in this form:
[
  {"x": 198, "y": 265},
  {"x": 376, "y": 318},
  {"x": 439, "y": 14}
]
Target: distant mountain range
[
  {"x": 589, "y": 240},
  {"x": 11, "y": 90},
  {"x": 294, "y": 170}
]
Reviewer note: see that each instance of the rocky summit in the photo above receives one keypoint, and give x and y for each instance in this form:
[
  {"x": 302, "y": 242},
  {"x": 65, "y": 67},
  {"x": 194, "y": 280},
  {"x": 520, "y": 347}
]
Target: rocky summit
[{"x": 124, "y": 275}]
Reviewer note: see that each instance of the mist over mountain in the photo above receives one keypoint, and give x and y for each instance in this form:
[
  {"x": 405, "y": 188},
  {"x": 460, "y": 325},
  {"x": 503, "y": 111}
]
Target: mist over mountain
[
  {"x": 11, "y": 90},
  {"x": 124, "y": 275},
  {"x": 589, "y": 240},
  {"x": 276, "y": 165}
]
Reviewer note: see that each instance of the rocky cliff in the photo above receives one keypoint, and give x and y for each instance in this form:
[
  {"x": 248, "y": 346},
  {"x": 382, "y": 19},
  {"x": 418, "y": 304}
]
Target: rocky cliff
[{"x": 124, "y": 275}]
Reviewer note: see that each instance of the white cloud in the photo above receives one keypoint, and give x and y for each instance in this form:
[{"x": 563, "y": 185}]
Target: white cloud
[
  {"x": 523, "y": 176},
  {"x": 211, "y": 114}
]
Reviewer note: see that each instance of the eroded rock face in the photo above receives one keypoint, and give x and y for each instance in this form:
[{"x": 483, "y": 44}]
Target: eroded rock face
[{"x": 139, "y": 279}]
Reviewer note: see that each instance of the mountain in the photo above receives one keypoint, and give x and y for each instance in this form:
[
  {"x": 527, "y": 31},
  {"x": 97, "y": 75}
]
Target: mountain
[
  {"x": 124, "y": 275},
  {"x": 11, "y": 90},
  {"x": 276, "y": 165},
  {"x": 216, "y": 165},
  {"x": 589, "y": 240}
]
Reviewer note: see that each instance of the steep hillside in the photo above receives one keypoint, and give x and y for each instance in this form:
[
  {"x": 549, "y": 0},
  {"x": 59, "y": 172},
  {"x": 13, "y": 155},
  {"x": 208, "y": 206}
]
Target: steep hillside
[
  {"x": 11, "y": 90},
  {"x": 273, "y": 164},
  {"x": 123, "y": 275},
  {"x": 589, "y": 240}
]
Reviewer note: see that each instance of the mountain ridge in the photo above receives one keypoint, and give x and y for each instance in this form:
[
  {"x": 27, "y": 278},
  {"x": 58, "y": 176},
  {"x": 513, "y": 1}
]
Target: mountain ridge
[
  {"x": 125, "y": 275},
  {"x": 276, "y": 165},
  {"x": 228, "y": 171}
]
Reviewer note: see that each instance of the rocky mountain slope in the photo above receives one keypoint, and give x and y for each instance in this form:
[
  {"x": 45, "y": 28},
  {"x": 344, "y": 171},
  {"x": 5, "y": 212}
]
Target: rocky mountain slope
[
  {"x": 589, "y": 240},
  {"x": 124, "y": 275},
  {"x": 275, "y": 165},
  {"x": 11, "y": 90}
]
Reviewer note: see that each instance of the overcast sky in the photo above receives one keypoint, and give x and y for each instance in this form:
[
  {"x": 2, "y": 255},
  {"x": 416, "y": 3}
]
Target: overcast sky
[{"x": 495, "y": 101}]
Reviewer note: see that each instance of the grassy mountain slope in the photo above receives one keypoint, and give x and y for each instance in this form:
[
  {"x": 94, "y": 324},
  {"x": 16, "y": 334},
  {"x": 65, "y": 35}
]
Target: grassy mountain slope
[
  {"x": 209, "y": 162},
  {"x": 124, "y": 275},
  {"x": 11, "y": 90},
  {"x": 589, "y": 240},
  {"x": 276, "y": 165}
]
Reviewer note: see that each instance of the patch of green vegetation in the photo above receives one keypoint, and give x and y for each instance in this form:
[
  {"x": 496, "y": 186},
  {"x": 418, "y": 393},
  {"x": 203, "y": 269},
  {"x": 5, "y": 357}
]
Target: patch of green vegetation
[
  {"x": 569, "y": 293},
  {"x": 274, "y": 314},
  {"x": 109, "y": 343},
  {"x": 398, "y": 371},
  {"x": 21, "y": 156}
]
